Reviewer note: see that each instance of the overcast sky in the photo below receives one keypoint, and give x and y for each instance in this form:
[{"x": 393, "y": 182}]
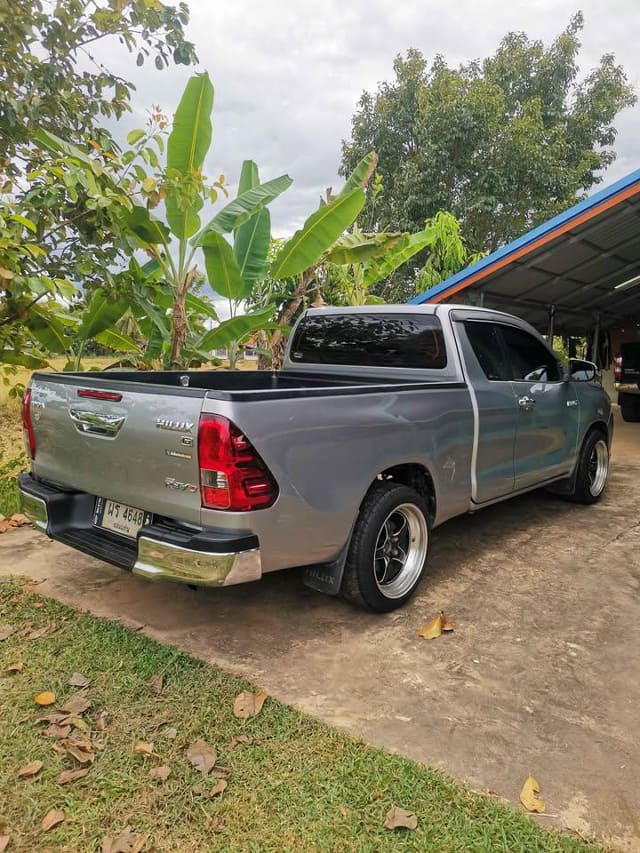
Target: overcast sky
[{"x": 288, "y": 74}]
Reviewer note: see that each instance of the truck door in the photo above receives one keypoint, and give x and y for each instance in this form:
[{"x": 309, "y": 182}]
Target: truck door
[
  {"x": 497, "y": 413},
  {"x": 547, "y": 409}
]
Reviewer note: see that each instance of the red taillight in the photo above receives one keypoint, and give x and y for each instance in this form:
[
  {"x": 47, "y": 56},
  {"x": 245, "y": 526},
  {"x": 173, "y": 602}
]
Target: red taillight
[
  {"x": 232, "y": 474},
  {"x": 100, "y": 395},
  {"x": 617, "y": 367},
  {"x": 27, "y": 425}
]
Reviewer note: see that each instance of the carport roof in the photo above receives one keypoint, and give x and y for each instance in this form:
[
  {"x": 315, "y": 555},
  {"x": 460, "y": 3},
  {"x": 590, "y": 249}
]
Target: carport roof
[{"x": 584, "y": 262}]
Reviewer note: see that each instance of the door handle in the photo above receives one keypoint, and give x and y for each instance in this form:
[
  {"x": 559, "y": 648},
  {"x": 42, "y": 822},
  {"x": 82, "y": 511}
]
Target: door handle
[{"x": 526, "y": 403}]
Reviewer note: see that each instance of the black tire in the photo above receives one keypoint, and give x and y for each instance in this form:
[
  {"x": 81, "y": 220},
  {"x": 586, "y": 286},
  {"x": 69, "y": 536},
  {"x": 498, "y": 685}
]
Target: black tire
[
  {"x": 630, "y": 407},
  {"x": 381, "y": 514},
  {"x": 588, "y": 488}
]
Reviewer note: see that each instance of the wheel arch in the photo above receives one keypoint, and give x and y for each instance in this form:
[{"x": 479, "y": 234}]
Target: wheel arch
[{"x": 416, "y": 476}]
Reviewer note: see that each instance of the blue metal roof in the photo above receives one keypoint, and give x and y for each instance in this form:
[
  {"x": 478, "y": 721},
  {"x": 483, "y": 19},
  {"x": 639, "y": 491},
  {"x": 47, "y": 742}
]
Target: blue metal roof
[{"x": 547, "y": 228}]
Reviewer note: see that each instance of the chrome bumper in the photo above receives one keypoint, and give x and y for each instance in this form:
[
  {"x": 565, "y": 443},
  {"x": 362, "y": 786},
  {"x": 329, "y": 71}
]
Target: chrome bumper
[
  {"x": 163, "y": 561},
  {"x": 201, "y": 558}
]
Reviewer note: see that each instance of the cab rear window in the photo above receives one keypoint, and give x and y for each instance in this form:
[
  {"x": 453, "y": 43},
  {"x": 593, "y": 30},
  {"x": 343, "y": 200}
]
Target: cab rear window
[{"x": 370, "y": 340}]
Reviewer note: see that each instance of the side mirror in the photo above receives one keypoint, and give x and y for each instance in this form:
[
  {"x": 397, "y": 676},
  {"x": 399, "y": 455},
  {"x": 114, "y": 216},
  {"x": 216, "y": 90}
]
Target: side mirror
[{"x": 582, "y": 371}]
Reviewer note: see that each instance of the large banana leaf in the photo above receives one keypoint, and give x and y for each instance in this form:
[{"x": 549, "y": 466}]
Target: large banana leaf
[
  {"x": 242, "y": 208},
  {"x": 158, "y": 318},
  {"x": 361, "y": 175},
  {"x": 251, "y": 240},
  {"x": 148, "y": 229},
  {"x": 409, "y": 246},
  {"x": 223, "y": 272},
  {"x": 200, "y": 306},
  {"x": 234, "y": 330},
  {"x": 187, "y": 147},
  {"x": 357, "y": 248},
  {"x": 116, "y": 340},
  {"x": 48, "y": 330},
  {"x": 318, "y": 234},
  {"x": 99, "y": 315}
]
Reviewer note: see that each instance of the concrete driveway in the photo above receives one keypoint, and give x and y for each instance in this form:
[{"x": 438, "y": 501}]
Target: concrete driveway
[{"x": 541, "y": 675}]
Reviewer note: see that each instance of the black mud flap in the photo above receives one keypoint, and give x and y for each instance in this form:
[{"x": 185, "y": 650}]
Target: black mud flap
[{"x": 326, "y": 577}]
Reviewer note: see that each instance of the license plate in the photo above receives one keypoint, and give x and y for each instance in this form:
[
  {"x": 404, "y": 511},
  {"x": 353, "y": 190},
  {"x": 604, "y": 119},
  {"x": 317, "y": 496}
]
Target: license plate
[{"x": 120, "y": 518}]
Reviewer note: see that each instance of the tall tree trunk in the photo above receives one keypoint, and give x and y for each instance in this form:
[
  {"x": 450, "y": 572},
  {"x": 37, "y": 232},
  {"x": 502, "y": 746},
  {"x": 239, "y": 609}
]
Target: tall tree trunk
[{"x": 285, "y": 317}]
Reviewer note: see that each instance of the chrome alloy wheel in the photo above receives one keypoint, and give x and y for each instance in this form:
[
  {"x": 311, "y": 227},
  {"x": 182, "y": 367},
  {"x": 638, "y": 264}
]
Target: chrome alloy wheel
[
  {"x": 598, "y": 467},
  {"x": 401, "y": 549}
]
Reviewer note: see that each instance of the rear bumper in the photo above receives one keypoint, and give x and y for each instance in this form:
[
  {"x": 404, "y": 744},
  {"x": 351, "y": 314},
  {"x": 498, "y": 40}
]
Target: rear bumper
[{"x": 163, "y": 550}]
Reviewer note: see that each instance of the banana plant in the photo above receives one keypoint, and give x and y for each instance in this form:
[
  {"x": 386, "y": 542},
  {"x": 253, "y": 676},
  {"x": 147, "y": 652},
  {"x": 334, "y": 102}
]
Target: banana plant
[{"x": 176, "y": 244}]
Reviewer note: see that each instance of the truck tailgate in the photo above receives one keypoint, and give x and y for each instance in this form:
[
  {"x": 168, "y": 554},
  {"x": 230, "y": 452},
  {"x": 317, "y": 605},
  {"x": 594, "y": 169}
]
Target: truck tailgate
[{"x": 136, "y": 447}]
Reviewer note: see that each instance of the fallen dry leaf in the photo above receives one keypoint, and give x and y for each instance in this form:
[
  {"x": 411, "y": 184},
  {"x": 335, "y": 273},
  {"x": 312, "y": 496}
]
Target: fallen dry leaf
[
  {"x": 53, "y": 717},
  {"x": 51, "y": 819},
  {"x": 202, "y": 756},
  {"x": 398, "y": 818},
  {"x": 217, "y": 789},
  {"x": 156, "y": 683},
  {"x": 238, "y": 739},
  {"x": 79, "y": 680},
  {"x": 71, "y": 775},
  {"x": 435, "y": 627},
  {"x": 528, "y": 796},
  {"x": 143, "y": 748},
  {"x": 45, "y": 698},
  {"x": 18, "y": 520},
  {"x": 76, "y": 704},
  {"x": 82, "y": 752},
  {"x": 102, "y": 720},
  {"x": 14, "y": 667},
  {"x": 344, "y": 811},
  {"x": 248, "y": 704},
  {"x": 169, "y": 732},
  {"x": 37, "y": 633},
  {"x": 30, "y": 769},
  {"x": 7, "y": 631},
  {"x": 4, "y": 842},
  {"x": 77, "y": 723},
  {"x": 4, "y": 525},
  {"x": 126, "y": 842},
  {"x": 162, "y": 773},
  {"x": 54, "y": 730}
]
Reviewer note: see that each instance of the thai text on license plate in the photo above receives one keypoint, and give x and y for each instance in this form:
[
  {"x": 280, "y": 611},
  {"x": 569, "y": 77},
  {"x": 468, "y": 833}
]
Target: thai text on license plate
[{"x": 120, "y": 518}]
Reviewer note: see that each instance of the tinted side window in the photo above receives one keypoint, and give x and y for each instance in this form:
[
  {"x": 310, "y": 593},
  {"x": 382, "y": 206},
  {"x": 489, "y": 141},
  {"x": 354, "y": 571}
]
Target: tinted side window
[
  {"x": 370, "y": 340},
  {"x": 485, "y": 342},
  {"x": 528, "y": 359}
]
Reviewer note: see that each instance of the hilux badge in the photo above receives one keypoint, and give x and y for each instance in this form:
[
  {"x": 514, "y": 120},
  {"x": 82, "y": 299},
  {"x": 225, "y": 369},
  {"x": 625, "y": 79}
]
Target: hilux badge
[{"x": 175, "y": 426}]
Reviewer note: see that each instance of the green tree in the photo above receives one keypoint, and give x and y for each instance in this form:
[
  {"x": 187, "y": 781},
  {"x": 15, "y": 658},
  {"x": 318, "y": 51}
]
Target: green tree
[
  {"x": 503, "y": 144},
  {"x": 60, "y": 208},
  {"x": 49, "y": 78}
]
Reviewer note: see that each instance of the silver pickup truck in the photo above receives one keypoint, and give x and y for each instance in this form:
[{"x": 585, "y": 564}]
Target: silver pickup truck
[{"x": 383, "y": 423}]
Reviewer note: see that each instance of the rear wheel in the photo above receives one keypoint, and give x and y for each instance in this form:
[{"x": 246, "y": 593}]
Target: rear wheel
[
  {"x": 630, "y": 407},
  {"x": 389, "y": 548},
  {"x": 593, "y": 469}
]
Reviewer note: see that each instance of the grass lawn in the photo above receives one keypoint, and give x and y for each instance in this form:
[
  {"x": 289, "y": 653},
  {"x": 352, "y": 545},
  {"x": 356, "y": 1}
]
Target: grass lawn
[{"x": 296, "y": 785}]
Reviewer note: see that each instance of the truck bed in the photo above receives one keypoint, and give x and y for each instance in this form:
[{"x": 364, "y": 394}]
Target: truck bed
[{"x": 236, "y": 385}]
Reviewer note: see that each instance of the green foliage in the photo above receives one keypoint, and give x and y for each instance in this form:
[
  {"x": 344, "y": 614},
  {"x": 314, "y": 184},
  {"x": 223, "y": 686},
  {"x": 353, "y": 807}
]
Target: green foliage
[
  {"x": 46, "y": 82},
  {"x": 502, "y": 144},
  {"x": 65, "y": 187}
]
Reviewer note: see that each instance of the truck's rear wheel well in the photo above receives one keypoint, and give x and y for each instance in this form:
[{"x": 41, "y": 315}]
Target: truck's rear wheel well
[{"x": 417, "y": 477}]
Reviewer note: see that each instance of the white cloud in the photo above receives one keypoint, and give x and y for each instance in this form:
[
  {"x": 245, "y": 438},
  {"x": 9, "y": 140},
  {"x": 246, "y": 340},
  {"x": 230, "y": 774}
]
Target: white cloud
[{"x": 288, "y": 75}]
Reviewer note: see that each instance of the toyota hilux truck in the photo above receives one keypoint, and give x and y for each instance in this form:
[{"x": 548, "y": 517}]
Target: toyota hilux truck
[{"x": 383, "y": 423}]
